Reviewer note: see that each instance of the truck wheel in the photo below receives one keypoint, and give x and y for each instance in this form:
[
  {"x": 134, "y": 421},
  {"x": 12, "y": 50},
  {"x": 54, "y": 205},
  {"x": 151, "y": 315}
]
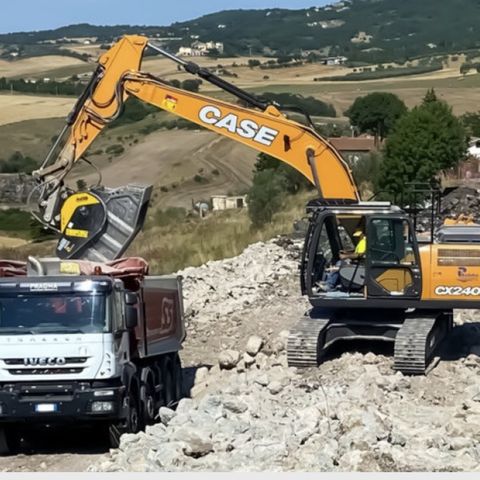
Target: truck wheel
[
  {"x": 147, "y": 397},
  {"x": 132, "y": 424},
  {"x": 168, "y": 382},
  {"x": 178, "y": 377},
  {"x": 133, "y": 419}
]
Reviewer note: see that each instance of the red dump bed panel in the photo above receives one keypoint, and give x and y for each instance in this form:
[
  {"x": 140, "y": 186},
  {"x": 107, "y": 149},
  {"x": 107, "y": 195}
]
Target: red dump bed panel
[{"x": 161, "y": 325}]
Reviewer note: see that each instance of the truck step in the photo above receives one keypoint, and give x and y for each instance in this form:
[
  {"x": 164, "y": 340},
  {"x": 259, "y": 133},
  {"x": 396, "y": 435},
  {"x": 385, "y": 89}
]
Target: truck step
[
  {"x": 417, "y": 340},
  {"x": 303, "y": 346}
]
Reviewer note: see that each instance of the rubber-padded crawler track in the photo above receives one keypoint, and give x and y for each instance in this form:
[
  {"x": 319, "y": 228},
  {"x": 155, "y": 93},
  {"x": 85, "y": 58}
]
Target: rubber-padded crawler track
[
  {"x": 303, "y": 342},
  {"x": 417, "y": 340}
]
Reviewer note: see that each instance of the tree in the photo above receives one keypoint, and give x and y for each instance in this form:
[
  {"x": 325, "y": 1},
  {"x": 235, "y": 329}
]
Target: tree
[
  {"x": 471, "y": 123},
  {"x": 284, "y": 59},
  {"x": 292, "y": 180},
  {"x": 365, "y": 172},
  {"x": 254, "y": 63},
  {"x": 265, "y": 197},
  {"x": 376, "y": 113},
  {"x": 191, "y": 85},
  {"x": 17, "y": 163},
  {"x": 425, "y": 141},
  {"x": 430, "y": 97}
]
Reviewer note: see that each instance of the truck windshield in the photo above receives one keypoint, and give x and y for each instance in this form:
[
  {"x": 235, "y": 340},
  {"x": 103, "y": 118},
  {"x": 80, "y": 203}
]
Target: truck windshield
[{"x": 59, "y": 313}]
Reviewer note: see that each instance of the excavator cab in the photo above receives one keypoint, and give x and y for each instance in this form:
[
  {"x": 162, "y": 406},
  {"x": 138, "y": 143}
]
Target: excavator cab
[{"x": 334, "y": 268}]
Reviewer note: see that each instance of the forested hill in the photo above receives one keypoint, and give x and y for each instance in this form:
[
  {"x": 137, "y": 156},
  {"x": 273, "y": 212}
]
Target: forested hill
[{"x": 362, "y": 30}]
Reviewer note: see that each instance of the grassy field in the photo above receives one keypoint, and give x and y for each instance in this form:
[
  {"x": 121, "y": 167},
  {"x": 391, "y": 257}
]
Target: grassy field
[
  {"x": 462, "y": 93},
  {"x": 31, "y": 137},
  {"x": 38, "y": 67},
  {"x": 18, "y": 108}
]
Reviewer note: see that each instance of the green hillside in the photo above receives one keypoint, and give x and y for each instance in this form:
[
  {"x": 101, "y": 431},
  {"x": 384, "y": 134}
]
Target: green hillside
[{"x": 362, "y": 30}]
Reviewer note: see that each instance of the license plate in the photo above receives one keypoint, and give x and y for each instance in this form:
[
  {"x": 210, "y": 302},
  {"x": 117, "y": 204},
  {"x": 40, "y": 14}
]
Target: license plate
[{"x": 46, "y": 407}]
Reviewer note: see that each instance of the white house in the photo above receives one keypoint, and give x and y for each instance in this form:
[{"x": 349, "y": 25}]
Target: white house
[
  {"x": 224, "y": 202},
  {"x": 474, "y": 148},
  {"x": 199, "y": 49}
]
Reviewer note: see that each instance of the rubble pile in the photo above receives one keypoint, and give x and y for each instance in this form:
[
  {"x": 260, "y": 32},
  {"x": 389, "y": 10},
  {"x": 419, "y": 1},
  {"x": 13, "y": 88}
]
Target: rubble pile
[
  {"x": 248, "y": 411},
  {"x": 461, "y": 201},
  {"x": 253, "y": 413},
  {"x": 229, "y": 300}
]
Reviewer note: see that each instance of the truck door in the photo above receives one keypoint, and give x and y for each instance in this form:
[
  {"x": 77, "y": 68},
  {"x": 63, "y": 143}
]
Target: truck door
[{"x": 393, "y": 264}]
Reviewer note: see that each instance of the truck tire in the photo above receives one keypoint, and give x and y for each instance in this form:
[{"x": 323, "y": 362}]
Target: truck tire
[
  {"x": 115, "y": 430},
  {"x": 172, "y": 379},
  {"x": 133, "y": 418},
  {"x": 147, "y": 399},
  {"x": 168, "y": 382},
  {"x": 177, "y": 377},
  {"x": 10, "y": 441}
]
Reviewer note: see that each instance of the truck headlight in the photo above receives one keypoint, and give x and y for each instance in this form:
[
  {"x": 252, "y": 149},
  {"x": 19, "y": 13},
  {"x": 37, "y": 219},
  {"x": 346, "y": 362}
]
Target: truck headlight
[
  {"x": 2, "y": 411},
  {"x": 100, "y": 407}
]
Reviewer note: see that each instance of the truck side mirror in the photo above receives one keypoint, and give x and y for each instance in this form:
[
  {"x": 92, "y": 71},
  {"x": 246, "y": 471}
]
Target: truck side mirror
[
  {"x": 131, "y": 298},
  {"x": 131, "y": 317}
]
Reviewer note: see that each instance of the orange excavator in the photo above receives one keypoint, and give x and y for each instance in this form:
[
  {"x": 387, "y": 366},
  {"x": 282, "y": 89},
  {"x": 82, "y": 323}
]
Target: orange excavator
[{"x": 392, "y": 289}]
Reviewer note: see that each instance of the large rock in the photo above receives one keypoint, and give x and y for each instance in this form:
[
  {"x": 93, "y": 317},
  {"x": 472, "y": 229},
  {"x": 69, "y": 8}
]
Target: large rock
[
  {"x": 166, "y": 415},
  {"x": 228, "y": 359},
  {"x": 235, "y": 405},
  {"x": 254, "y": 345}
]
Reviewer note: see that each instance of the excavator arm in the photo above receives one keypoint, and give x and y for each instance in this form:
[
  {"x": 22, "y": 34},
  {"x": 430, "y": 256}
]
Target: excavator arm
[{"x": 84, "y": 218}]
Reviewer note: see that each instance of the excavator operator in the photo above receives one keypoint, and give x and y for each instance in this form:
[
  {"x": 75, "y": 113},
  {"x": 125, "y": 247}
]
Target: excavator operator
[{"x": 346, "y": 258}]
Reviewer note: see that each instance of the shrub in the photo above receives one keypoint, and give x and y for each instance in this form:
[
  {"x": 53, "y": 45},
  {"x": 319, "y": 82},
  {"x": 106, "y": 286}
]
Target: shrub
[
  {"x": 116, "y": 149},
  {"x": 200, "y": 179},
  {"x": 311, "y": 105},
  {"x": 17, "y": 163}
]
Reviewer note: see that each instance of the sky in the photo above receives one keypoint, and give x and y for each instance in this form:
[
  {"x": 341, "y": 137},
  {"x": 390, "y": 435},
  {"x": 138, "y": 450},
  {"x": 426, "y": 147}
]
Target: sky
[{"x": 27, "y": 15}]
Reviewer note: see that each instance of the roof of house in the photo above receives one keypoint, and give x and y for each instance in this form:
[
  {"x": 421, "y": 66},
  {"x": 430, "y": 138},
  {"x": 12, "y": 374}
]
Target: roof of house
[{"x": 353, "y": 144}]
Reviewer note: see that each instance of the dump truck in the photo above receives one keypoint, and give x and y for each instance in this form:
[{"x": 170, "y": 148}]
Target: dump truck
[{"x": 87, "y": 343}]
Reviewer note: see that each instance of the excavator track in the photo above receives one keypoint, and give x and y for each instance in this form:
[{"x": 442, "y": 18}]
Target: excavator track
[
  {"x": 417, "y": 340},
  {"x": 303, "y": 342}
]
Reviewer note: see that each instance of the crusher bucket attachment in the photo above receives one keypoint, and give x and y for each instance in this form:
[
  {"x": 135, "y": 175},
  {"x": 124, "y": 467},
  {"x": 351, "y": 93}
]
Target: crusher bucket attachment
[{"x": 100, "y": 224}]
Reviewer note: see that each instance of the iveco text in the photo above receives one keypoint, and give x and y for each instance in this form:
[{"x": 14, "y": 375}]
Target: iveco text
[{"x": 211, "y": 115}]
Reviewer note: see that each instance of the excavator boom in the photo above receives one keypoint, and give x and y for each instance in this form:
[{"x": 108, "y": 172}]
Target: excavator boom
[{"x": 254, "y": 123}]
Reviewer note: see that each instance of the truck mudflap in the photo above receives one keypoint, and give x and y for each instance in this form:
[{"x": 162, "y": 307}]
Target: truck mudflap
[{"x": 61, "y": 402}]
